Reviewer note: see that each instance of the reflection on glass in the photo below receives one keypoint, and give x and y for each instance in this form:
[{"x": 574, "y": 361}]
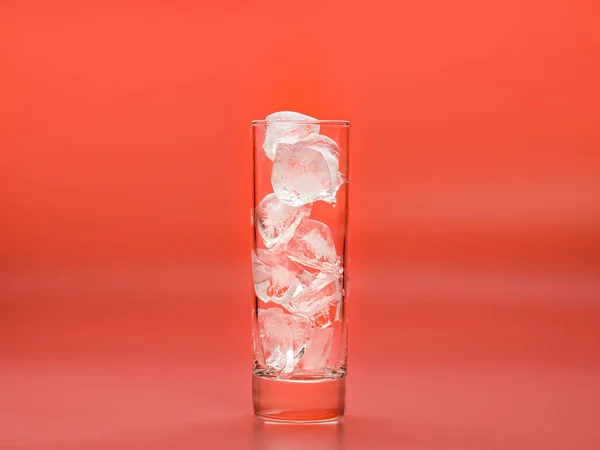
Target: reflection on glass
[{"x": 285, "y": 436}]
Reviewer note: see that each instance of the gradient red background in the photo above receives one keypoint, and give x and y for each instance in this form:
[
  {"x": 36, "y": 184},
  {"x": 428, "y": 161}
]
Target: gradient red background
[{"x": 125, "y": 189}]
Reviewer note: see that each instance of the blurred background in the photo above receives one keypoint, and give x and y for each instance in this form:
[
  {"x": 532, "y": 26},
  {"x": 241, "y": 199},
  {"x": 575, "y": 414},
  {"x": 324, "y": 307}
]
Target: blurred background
[{"x": 125, "y": 192}]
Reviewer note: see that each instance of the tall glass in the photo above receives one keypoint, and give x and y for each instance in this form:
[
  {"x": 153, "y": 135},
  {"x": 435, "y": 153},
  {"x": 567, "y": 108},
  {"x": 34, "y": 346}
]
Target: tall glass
[{"x": 300, "y": 317}]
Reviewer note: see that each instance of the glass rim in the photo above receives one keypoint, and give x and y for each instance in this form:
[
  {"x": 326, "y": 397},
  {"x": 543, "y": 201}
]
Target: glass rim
[{"x": 339, "y": 123}]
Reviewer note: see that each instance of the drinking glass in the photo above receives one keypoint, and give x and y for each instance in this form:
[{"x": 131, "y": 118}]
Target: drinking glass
[{"x": 300, "y": 316}]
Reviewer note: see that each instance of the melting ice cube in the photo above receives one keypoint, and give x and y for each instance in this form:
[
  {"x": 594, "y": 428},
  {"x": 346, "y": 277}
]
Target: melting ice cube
[
  {"x": 321, "y": 302},
  {"x": 277, "y": 221},
  {"x": 276, "y": 277},
  {"x": 306, "y": 171},
  {"x": 312, "y": 245},
  {"x": 316, "y": 356},
  {"x": 279, "y": 128},
  {"x": 284, "y": 339}
]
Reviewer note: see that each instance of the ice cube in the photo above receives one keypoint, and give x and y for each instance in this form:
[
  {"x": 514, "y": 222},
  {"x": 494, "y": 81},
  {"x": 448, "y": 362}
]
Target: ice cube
[
  {"x": 331, "y": 152},
  {"x": 276, "y": 277},
  {"x": 306, "y": 171},
  {"x": 276, "y": 221},
  {"x": 284, "y": 339},
  {"x": 280, "y": 127},
  {"x": 321, "y": 302},
  {"x": 316, "y": 356},
  {"x": 312, "y": 245}
]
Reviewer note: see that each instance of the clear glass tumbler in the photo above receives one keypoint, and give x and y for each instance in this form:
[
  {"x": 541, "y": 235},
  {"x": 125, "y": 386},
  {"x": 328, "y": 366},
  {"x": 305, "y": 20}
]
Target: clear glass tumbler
[{"x": 300, "y": 220}]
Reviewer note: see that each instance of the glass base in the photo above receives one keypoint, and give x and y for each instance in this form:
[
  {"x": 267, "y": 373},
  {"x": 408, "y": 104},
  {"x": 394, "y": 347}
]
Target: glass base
[{"x": 299, "y": 400}]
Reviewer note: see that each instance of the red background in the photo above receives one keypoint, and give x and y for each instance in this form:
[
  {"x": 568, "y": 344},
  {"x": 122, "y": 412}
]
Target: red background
[{"x": 125, "y": 189}]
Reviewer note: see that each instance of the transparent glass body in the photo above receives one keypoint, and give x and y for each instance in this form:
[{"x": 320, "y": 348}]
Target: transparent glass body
[{"x": 300, "y": 220}]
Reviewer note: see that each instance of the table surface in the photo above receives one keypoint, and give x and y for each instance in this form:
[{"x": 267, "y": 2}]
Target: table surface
[{"x": 123, "y": 367}]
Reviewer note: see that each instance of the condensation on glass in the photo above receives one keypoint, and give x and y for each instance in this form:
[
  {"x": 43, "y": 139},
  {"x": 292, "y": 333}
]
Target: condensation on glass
[{"x": 300, "y": 220}]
